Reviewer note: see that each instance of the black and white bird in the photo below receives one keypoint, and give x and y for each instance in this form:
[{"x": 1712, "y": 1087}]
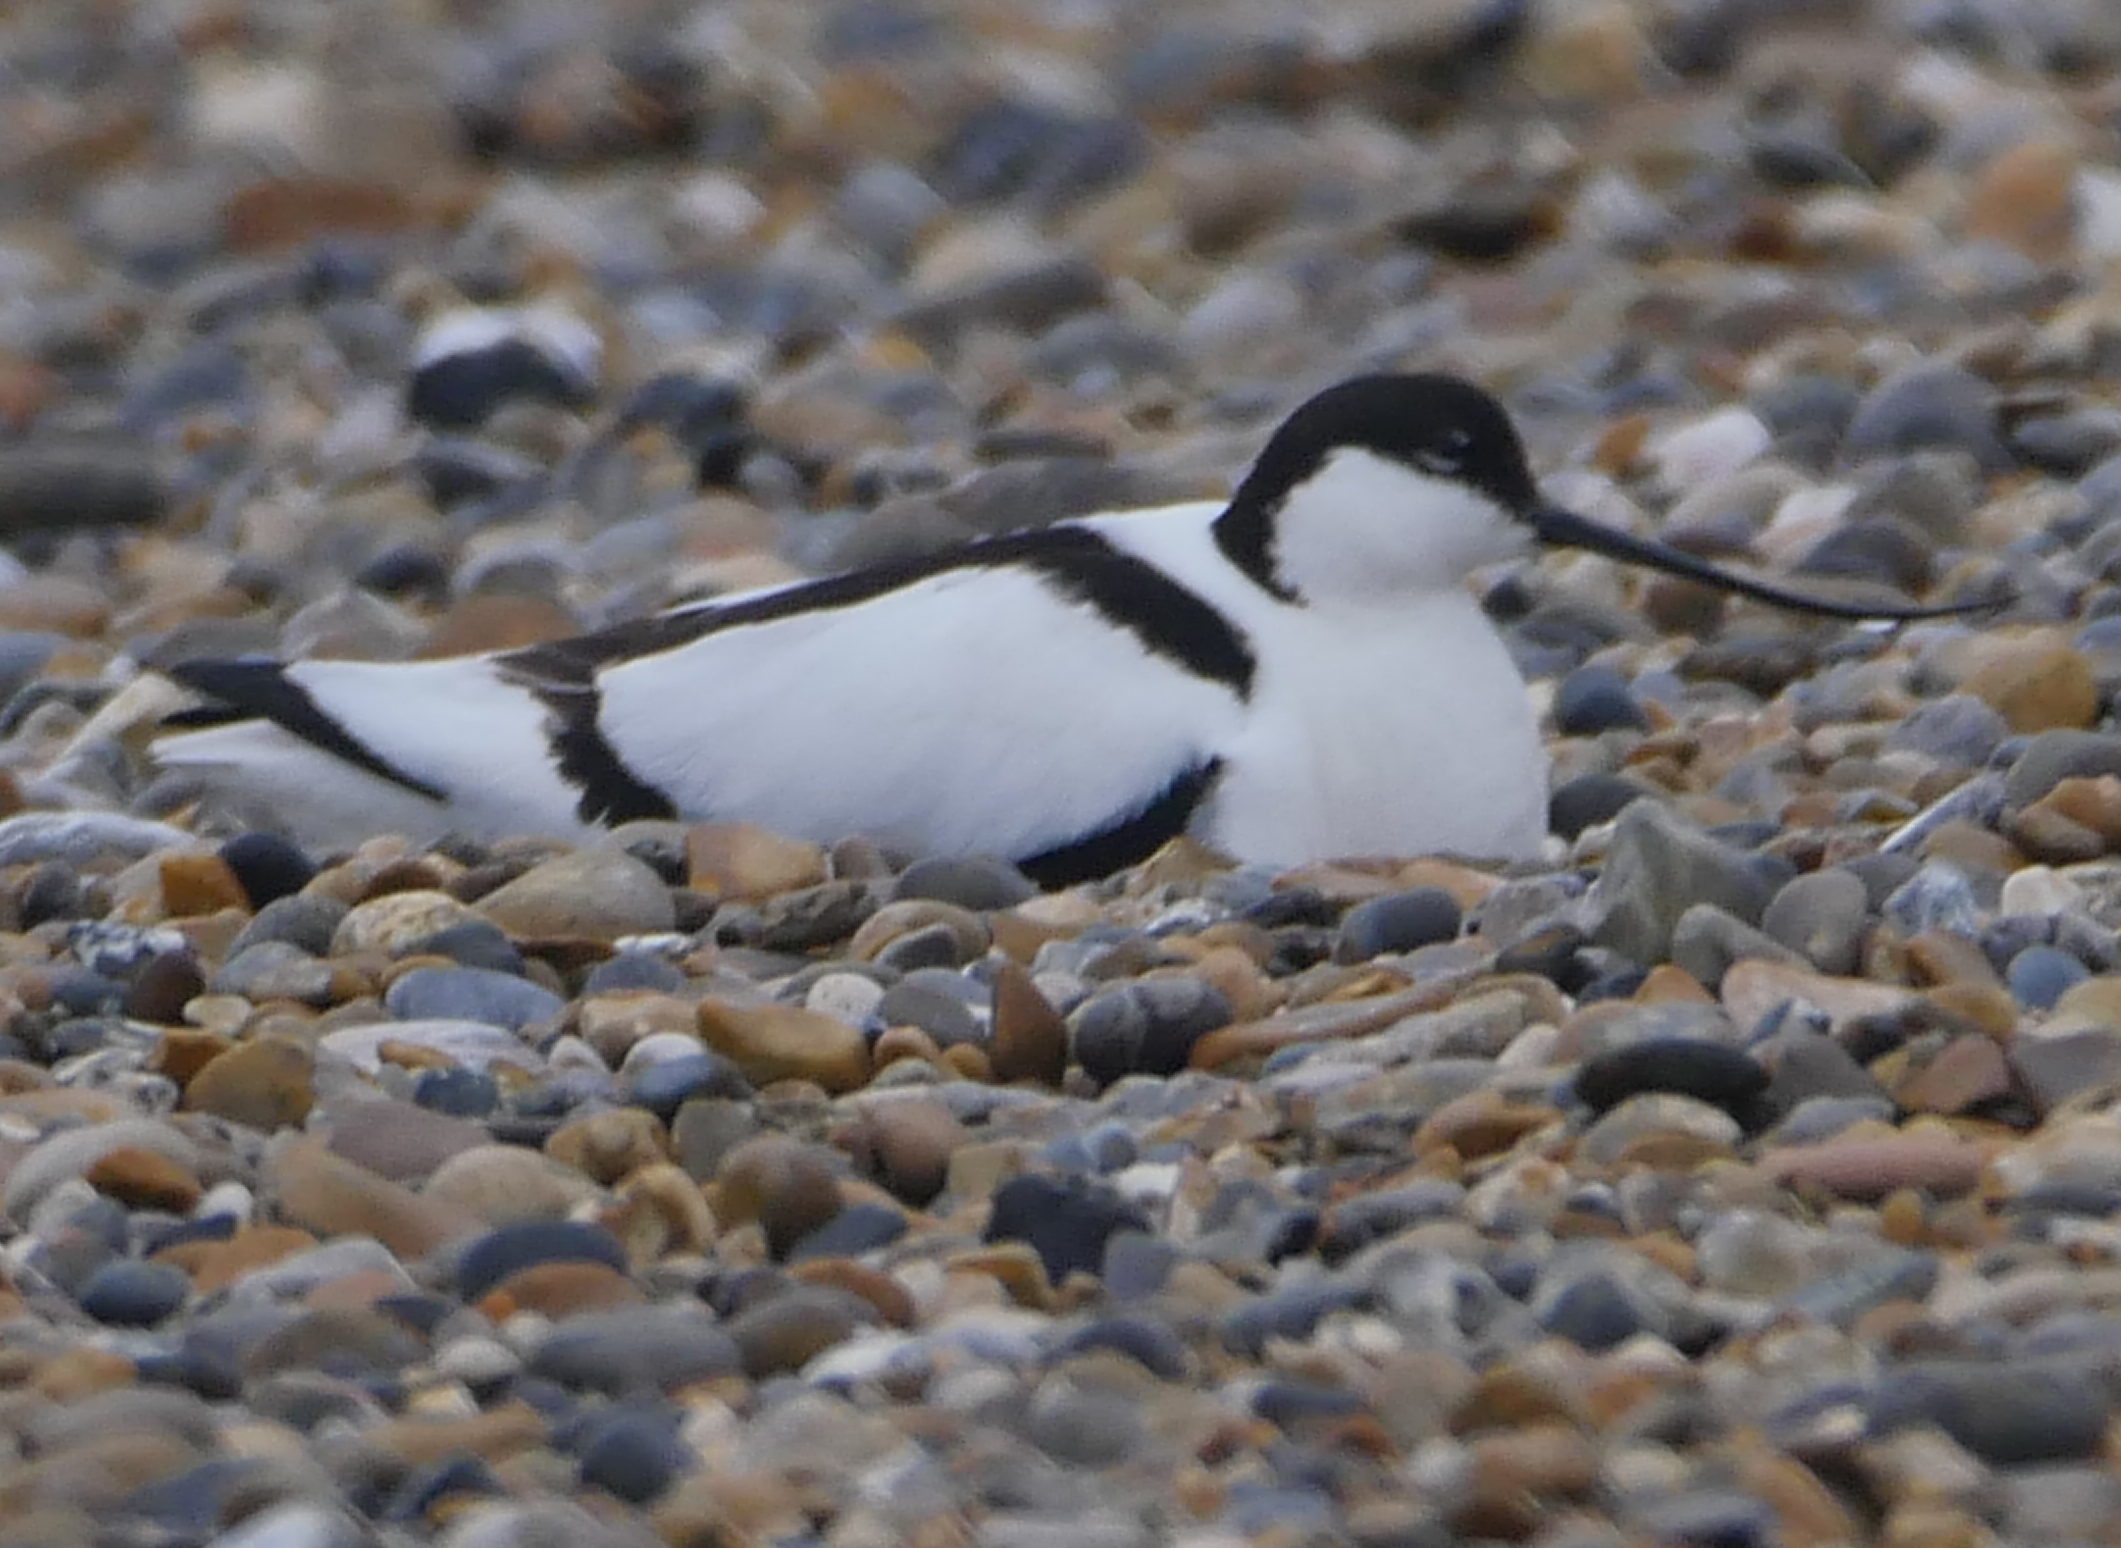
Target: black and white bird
[{"x": 1298, "y": 673}]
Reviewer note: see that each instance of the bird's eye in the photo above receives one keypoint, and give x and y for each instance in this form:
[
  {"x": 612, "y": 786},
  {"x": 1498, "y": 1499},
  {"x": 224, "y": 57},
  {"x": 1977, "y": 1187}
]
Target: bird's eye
[{"x": 1442, "y": 464}]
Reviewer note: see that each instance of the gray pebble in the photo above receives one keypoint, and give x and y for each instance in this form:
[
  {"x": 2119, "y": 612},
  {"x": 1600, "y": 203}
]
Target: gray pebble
[
  {"x": 1823, "y": 915},
  {"x": 2054, "y": 756},
  {"x": 1659, "y": 866},
  {"x": 1934, "y": 403},
  {"x": 470, "y": 994},
  {"x": 1937, "y": 897},
  {"x": 1957, "y": 729}
]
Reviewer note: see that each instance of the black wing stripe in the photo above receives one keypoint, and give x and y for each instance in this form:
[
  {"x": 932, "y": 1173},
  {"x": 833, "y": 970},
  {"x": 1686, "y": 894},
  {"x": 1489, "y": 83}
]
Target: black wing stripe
[
  {"x": 611, "y": 792},
  {"x": 260, "y": 689},
  {"x": 1130, "y": 840},
  {"x": 1075, "y": 562}
]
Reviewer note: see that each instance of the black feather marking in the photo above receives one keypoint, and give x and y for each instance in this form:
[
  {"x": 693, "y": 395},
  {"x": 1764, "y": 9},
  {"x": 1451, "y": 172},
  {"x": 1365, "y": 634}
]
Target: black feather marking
[
  {"x": 1130, "y": 840},
  {"x": 1075, "y": 562},
  {"x": 611, "y": 792},
  {"x": 260, "y": 689}
]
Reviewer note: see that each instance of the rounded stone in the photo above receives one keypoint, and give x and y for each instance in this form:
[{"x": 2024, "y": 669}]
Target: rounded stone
[
  {"x": 2040, "y": 975},
  {"x": 267, "y": 866},
  {"x": 978, "y": 883},
  {"x": 265, "y": 1084},
  {"x": 597, "y": 893},
  {"x": 1594, "y": 699},
  {"x": 1397, "y": 922},
  {"x": 489, "y": 1259},
  {"x": 470, "y": 994},
  {"x": 788, "y": 1187},
  {"x": 1823, "y": 915},
  {"x": 786, "y": 1042},
  {"x": 460, "y": 1093},
  {"x": 636, "y": 1350},
  {"x": 1588, "y": 800},
  {"x": 634, "y": 1454},
  {"x": 1066, "y": 1221},
  {"x": 394, "y": 923},
  {"x": 127, "y": 1293},
  {"x": 1723, "y": 1077},
  {"x": 1147, "y": 1027}
]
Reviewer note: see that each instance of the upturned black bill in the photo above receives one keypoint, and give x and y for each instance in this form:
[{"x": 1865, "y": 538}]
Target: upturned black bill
[{"x": 1566, "y": 529}]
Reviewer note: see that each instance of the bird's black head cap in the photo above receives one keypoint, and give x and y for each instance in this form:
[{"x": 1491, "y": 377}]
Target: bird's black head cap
[{"x": 1439, "y": 425}]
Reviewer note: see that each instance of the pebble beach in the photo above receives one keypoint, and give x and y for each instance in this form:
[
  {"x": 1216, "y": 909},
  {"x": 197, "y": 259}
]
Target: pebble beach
[{"x": 1744, "y": 1174}]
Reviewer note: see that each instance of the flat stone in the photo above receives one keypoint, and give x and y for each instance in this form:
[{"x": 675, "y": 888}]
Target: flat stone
[
  {"x": 264, "y": 1083},
  {"x": 505, "y": 1184},
  {"x": 332, "y": 1197},
  {"x": 738, "y": 860},
  {"x": 637, "y": 1350},
  {"x": 596, "y": 893},
  {"x": 1868, "y": 1169},
  {"x": 396, "y": 922},
  {"x": 2006, "y": 1414},
  {"x": 476, "y": 1045},
  {"x": 786, "y": 1042}
]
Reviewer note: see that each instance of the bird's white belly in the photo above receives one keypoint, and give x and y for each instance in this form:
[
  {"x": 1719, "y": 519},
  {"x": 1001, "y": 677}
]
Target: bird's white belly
[{"x": 1407, "y": 731}]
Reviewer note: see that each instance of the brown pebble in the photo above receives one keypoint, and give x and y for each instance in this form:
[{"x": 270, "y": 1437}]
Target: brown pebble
[
  {"x": 890, "y": 1298},
  {"x": 1514, "y": 1393},
  {"x": 1030, "y": 1039},
  {"x": 786, "y": 1042},
  {"x": 214, "y": 1266},
  {"x": 199, "y": 884},
  {"x": 738, "y": 860},
  {"x": 2037, "y": 688},
  {"x": 1965, "y": 1073},
  {"x": 2025, "y": 197},
  {"x": 264, "y": 1084},
  {"x": 560, "y": 1290},
  {"x": 904, "y": 1042},
  {"x": 1867, "y": 1169},
  {"x": 905, "y": 1144},
  {"x": 1480, "y": 1123},
  {"x": 1015, "y": 1266},
  {"x": 144, "y": 1179},
  {"x": 610, "y": 1145},
  {"x": 316, "y": 1189},
  {"x": 487, "y": 621},
  {"x": 181, "y": 1052},
  {"x": 499, "y": 1432},
  {"x": 787, "y": 1187},
  {"x": 660, "y": 1210}
]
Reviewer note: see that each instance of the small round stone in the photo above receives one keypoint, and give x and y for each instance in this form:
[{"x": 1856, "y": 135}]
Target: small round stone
[
  {"x": 979, "y": 883},
  {"x": 269, "y": 867},
  {"x": 1590, "y": 799},
  {"x": 459, "y": 1092},
  {"x": 1067, "y": 1222},
  {"x": 1148, "y": 1027},
  {"x": 127, "y": 1293},
  {"x": 470, "y": 994},
  {"x": 1397, "y": 922},
  {"x": 1596, "y": 698},
  {"x": 2040, "y": 975},
  {"x": 633, "y": 1453}
]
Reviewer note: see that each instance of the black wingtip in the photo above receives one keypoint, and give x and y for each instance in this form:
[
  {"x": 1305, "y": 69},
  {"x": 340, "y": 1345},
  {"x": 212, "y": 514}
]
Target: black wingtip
[{"x": 258, "y": 688}]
